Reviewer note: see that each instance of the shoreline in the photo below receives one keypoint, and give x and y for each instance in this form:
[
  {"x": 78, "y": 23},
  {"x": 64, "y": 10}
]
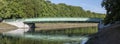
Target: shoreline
[{"x": 4, "y": 27}]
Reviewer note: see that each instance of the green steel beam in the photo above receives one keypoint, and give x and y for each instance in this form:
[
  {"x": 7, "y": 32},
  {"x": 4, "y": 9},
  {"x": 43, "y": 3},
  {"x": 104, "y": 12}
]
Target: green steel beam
[{"x": 33, "y": 20}]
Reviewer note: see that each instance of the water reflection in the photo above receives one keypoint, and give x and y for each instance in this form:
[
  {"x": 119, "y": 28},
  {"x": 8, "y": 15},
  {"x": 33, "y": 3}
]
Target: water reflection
[
  {"x": 54, "y": 36},
  {"x": 66, "y": 39},
  {"x": 67, "y": 31}
]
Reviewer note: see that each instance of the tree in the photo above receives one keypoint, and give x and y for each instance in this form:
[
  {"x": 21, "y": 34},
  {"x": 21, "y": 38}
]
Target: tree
[
  {"x": 19, "y": 8},
  {"x": 41, "y": 8},
  {"x": 113, "y": 10}
]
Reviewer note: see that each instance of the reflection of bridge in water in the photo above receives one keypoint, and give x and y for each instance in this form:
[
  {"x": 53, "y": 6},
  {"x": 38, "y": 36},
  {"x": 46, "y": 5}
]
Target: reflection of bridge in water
[{"x": 31, "y": 21}]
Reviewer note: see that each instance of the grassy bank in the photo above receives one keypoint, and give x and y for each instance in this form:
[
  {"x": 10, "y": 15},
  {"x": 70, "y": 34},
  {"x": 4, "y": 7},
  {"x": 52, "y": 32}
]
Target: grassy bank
[{"x": 6, "y": 27}]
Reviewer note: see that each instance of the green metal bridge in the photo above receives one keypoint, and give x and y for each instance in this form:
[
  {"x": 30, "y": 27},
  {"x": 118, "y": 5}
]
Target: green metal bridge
[
  {"x": 34, "y": 20},
  {"x": 31, "y": 21}
]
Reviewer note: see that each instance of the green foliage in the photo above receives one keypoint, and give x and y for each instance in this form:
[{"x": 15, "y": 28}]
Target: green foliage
[
  {"x": 113, "y": 10},
  {"x": 17, "y": 8},
  {"x": 41, "y": 8}
]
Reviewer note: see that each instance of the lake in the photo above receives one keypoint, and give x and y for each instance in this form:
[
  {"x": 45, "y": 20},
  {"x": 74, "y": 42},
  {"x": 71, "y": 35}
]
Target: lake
[{"x": 57, "y": 36}]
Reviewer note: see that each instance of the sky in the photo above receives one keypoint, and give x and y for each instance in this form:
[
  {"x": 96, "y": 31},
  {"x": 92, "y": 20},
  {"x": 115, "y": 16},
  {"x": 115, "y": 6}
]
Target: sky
[{"x": 92, "y": 5}]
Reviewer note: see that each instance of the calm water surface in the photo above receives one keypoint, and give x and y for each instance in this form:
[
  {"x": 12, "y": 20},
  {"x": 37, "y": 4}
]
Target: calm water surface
[{"x": 67, "y": 39}]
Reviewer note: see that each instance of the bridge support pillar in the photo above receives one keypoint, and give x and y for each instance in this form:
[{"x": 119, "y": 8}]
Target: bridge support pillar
[{"x": 31, "y": 26}]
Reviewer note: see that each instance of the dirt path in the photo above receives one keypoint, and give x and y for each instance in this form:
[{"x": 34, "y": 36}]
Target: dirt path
[
  {"x": 63, "y": 25},
  {"x": 6, "y": 27}
]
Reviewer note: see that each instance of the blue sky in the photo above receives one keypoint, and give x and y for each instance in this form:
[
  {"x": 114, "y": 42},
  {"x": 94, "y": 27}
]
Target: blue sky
[{"x": 92, "y": 5}]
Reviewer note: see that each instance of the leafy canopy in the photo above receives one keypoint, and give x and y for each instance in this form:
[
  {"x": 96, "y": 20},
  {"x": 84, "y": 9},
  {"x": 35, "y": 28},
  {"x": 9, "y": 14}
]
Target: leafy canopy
[
  {"x": 41, "y": 8},
  {"x": 113, "y": 10}
]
